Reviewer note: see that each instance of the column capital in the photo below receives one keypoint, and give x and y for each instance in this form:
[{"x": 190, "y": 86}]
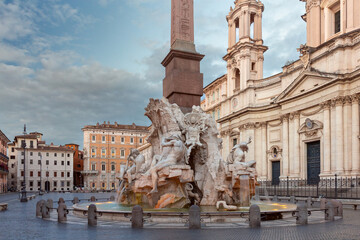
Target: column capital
[
  {"x": 284, "y": 117},
  {"x": 338, "y": 101},
  {"x": 354, "y": 98},
  {"x": 326, "y": 104}
]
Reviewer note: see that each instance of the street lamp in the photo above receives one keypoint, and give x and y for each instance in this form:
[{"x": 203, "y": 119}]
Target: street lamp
[{"x": 23, "y": 191}]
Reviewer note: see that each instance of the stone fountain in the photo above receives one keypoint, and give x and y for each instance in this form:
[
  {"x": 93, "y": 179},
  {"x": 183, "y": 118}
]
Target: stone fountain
[{"x": 186, "y": 167}]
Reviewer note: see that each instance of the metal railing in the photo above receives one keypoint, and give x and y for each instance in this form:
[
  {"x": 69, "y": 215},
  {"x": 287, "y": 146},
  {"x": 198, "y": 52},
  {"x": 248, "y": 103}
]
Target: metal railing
[{"x": 329, "y": 187}]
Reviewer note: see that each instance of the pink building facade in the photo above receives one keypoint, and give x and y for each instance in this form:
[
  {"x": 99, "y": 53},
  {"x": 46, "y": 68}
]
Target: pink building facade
[{"x": 3, "y": 162}]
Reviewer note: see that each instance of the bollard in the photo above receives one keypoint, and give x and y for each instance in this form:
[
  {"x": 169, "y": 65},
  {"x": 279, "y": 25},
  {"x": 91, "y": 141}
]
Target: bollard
[
  {"x": 112, "y": 198},
  {"x": 92, "y": 218},
  {"x": 292, "y": 200},
  {"x": 338, "y": 208},
  {"x": 254, "y": 216},
  {"x": 38, "y": 207},
  {"x": 309, "y": 202},
  {"x": 302, "y": 214},
  {"x": 50, "y": 204},
  {"x": 61, "y": 200},
  {"x": 275, "y": 198},
  {"x": 76, "y": 200},
  {"x": 329, "y": 212},
  {"x": 323, "y": 202},
  {"x": 92, "y": 199},
  {"x": 45, "y": 211},
  {"x": 194, "y": 217},
  {"x": 137, "y": 220},
  {"x": 62, "y": 213}
]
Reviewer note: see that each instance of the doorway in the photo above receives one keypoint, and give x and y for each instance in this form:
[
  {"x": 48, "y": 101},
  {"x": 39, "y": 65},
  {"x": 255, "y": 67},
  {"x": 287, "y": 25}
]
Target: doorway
[{"x": 313, "y": 162}]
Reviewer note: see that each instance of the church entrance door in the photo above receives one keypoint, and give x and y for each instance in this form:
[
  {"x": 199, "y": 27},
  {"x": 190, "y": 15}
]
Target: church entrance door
[{"x": 313, "y": 162}]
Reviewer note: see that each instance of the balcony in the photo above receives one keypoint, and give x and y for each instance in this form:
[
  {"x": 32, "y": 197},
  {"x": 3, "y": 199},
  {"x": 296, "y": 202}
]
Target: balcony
[
  {"x": 4, "y": 168},
  {"x": 90, "y": 172},
  {"x": 4, "y": 157}
]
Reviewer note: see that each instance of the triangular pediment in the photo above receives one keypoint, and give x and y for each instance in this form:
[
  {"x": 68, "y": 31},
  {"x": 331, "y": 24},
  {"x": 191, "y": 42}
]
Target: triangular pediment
[{"x": 305, "y": 82}]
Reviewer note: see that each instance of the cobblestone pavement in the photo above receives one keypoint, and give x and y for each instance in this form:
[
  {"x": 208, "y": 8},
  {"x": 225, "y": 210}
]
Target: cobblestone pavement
[{"x": 19, "y": 222}]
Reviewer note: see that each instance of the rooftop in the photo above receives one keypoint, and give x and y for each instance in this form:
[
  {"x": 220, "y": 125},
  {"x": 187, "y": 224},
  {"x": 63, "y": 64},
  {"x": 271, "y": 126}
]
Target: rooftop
[{"x": 108, "y": 125}]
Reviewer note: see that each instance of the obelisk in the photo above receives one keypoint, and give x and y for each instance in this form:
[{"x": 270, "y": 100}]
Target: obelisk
[{"x": 183, "y": 82}]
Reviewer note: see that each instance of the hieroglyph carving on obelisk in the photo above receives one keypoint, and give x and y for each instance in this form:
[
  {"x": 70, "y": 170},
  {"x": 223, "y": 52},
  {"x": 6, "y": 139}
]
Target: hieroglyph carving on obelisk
[{"x": 182, "y": 20}]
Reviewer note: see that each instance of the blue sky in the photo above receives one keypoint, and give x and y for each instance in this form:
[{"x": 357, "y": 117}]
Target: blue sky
[{"x": 69, "y": 63}]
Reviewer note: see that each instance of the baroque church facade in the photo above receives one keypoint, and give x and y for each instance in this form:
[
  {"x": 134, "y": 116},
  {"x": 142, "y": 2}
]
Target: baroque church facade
[{"x": 304, "y": 121}]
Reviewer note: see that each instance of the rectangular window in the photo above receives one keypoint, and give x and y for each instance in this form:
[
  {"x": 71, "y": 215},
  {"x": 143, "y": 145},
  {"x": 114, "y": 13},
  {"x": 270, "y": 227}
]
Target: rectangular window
[
  {"x": 337, "y": 22},
  {"x": 39, "y": 184},
  {"x": 39, "y": 162},
  {"x": 103, "y": 167},
  {"x": 122, "y": 140},
  {"x": 55, "y": 174},
  {"x": 62, "y": 174},
  {"x": 68, "y": 154},
  {"x": 62, "y": 163},
  {"x": 112, "y": 185},
  {"x": 103, "y": 152},
  {"x": 31, "y": 173},
  {"x": 12, "y": 150},
  {"x": 12, "y": 157},
  {"x": 47, "y": 154},
  {"x": 62, "y": 155},
  {"x": 122, "y": 153},
  {"x": 47, "y": 174},
  {"x": 68, "y": 184},
  {"x": 234, "y": 142},
  {"x": 103, "y": 185},
  {"x": 62, "y": 183},
  {"x": 47, "y": 162},
  {"x": 68, "y": 163},
  {"x": 22, "y": 161},
  {"x": 93, "y": 167},
  {"x": 132, "y": 140},
  {"x": 55, "y": 183},
  {"x": 113, "y": 153},
  {"x": 31, "y": 144},
  {"x": 68, "y": 174},
  {"x": 93, "y": 138},
  {"x": 31, "y": 161},
  {"x": 55, "y": 154},
  {"x": 93, "y": 185},
  {"x": 103, "y": 139},
  {"x": 113, "y": 139},
  {"x": 39, "y": 174},
  {"x": 55, "y": 162},
  {"x": 31, "y": 183},
  {"x": 31, "y": 153},
  {"x": 253, "y": 66},
  {"x": 140, "y": 140},
  {"x": 22, "y": 153},
  {"x": 93, "y": 152},
  {"x": 112, "y": 167}
]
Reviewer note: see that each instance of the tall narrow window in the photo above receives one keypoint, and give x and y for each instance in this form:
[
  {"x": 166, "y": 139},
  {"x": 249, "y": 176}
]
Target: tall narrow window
[
  {"x": 234, "y": 142},
  {"x": 93, "y": 138},
  {"x": 103, "y": 152},
  {"x": 337, "y": 22},
  {"x": 103, "y": 139},
  {"x": 113, "y": 153},
  {"x": 237, "y": 30},
  {"x": 237, "y": 79}
]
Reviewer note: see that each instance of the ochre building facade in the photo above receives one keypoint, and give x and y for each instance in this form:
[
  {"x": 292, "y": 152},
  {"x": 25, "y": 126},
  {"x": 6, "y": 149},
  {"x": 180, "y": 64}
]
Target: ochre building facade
[
  {"x": 106, "y": 148},
  {"x": 4, "y": 160},
  {"x": 304, "y": 121}
]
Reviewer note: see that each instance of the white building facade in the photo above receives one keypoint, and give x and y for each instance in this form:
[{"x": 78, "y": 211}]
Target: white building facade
[{"x": 47, "y": 167}]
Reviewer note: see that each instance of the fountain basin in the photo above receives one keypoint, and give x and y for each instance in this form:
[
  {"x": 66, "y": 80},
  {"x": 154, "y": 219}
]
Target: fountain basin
[{"x": 114, "y": 211}]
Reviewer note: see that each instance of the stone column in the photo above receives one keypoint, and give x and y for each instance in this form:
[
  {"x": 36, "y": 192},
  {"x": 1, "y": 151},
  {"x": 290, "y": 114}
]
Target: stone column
[
  {"x": 333, "y": 138},
  {"x": 242, "y": 31},
  {"x": 355, "y": 135},
  {"x": 285, "y": 145},
  {"x": 260, "y": 64},
  {"x": 247, "y": 24},
  {"x": 339, "y": 135},
  {"x": 291, "y": 144},
  {"x": 263, "y": 150},
  {"x": 350, "y": 14},
  {"x": 296, "y": 159},
  {"x": 347, "y": 135},
  {"x": 327, "y": 138},
  {"x": 256, "y": 27},
  {"x": 327, "y": 17}
]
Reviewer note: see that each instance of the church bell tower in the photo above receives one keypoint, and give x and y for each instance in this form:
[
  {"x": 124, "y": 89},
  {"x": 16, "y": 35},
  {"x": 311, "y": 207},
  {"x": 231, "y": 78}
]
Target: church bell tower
[{"x": 245, "y": 53}]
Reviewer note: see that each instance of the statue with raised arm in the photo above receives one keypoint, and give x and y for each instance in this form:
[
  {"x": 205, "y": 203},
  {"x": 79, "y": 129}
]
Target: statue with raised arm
[
  {"x": 173, "y": 153},
  {"x": 137, "y": 160},
  {"x": 238, "y": 153}
]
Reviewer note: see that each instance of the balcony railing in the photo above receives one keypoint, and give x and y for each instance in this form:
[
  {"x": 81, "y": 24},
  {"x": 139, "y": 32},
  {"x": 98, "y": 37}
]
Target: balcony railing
[{"x": 4, "y": 156}]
